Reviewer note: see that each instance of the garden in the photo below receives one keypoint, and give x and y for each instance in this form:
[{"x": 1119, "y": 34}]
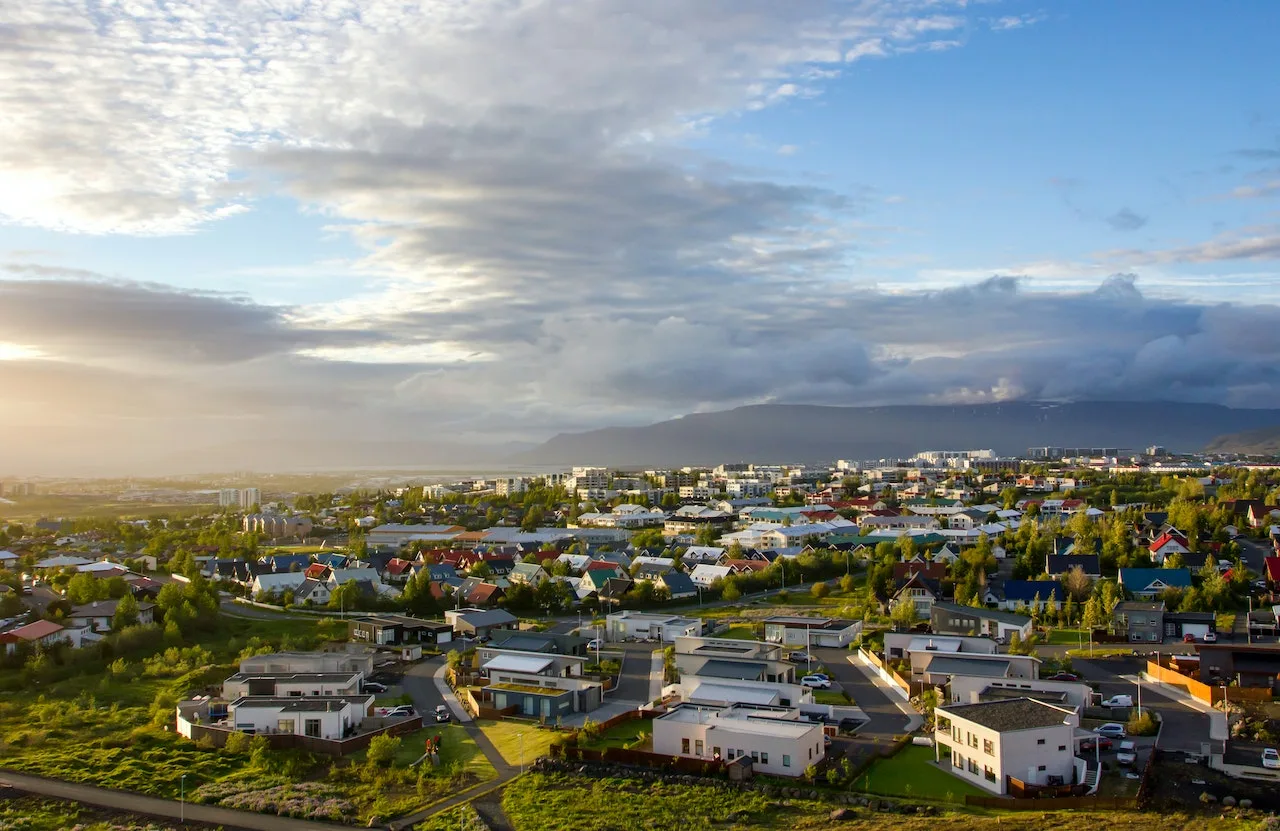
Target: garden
[{"x": 912, "y": 772}]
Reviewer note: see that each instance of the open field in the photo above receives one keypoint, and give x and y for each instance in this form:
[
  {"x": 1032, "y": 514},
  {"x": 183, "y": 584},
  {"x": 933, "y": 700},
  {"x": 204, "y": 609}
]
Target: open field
[
  {"x": 518, "y": 739},
  {"x": 912, "y": 773},
  {"x": 556, "y": 802},
  {"x": 30, "y": 813},
  {"x": 456, "y": 748}
]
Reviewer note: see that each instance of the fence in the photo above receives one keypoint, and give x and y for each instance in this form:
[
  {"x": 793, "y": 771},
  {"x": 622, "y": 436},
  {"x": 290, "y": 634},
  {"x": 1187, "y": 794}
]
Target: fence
[
  {"x": 887, "y": 674},
  {"x": 1208, "y": 693},
  {"x": 639, "y": 758},
  {"x": 325, "y": 747}
]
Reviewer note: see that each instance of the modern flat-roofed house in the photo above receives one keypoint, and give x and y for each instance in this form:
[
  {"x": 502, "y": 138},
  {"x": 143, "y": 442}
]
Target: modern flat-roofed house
[
  {"x": 811, "y": 631},
  {"x": 776, "y": 739},
  {"x": 548, "y": 643},
  {"x": 1246, "y": 665},
  {"x": 987, "y": 744},
  {"x": 291, "y": 684},
  {"x": 731, "y": 658},
  {"x": 538, "y": 684},
  {"x": 695, "y": 689},
  {"x": 974, "y": 689},
  {"x": 357, "y": 659},
  {"x": 399, "y": 630},
  {"x": 952, "y": 618},
  {"x": 938, "y": 667},
  {"x": 902, "y": 644},
  {"x": 628, "y": 624},
  {"x": 321, "y": 717}
]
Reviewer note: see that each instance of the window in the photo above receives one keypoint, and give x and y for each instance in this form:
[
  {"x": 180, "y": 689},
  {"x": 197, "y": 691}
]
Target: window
[
  {"x": 715, "y": 751},
  {"x": 1040, "y": 768},
  {"x": 1061, "y": 747},
  {"x": 285, "y": 725},
  {"x": 1039, "y": 741},
  {"x": 764, "y": 758},
  {"x": 684, "y": 746},
  {"x": 955, "y": 734},
  {"x": 312, "y": 727},
  {"x": 989, "y": 773},
  {"x": 697, "y": 747},
  {"x": 957, "y": 761},
  {"x": 988, "y": 747},
  {"x": 973, "y": 740},
  {"x": 973, "y": 767},
  {"x": 755, "y": 755},
  {"x": 786, "y": 761}
]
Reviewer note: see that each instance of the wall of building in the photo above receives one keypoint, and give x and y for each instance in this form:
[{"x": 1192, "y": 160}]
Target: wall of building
[{"x": 668, "y": 738}]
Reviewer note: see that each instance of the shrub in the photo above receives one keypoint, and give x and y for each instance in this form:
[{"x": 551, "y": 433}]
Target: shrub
[
  {"x": 1142, "y": 725},
  {"x": 382, "y": 751},
  {"x": 820, "y": 589},
  {"x": 238, "y": 742}
]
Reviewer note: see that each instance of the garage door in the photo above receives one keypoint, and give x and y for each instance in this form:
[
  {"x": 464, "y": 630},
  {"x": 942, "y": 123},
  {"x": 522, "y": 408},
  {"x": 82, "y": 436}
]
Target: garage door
[{"x": 1197, "y": 629}]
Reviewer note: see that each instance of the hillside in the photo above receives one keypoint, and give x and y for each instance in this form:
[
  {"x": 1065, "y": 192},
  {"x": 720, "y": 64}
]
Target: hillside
[
  {"x": 1262, "y": 442},
  {"x": 803, "y": 433}
]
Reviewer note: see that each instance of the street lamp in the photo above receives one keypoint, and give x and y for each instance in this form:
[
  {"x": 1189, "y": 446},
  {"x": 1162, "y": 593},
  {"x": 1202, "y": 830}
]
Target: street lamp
[
  {"x": 182, "y": 799},
  {"x": 522, "y": 752}
]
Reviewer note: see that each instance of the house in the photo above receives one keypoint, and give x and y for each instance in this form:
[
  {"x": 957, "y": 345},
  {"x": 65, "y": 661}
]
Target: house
[
  {"x": 548, "y": 643},
  {"x": 723, "y": 692},
  {"x": 538, "y": 674},
  {"x": 678, "y": 585},
  {"x": 990, "y": 743},
  {"x": 1170, "y": 542},
  {"x": 967, "y": 519},
  {"x": 1245, "y": 665},
  {"x": 1140, "y": 621},
  {"x": 776, "y": 739},
  {"x": 1058, "y": 565},
  {"x": 745, "y": 566},
  {"x": 41, "y": 634},
  {"x": 1178, "y": 625},
  {"x": 8, "y": 559},
  {"x": 936, "y": 667},
  {"x": 705, "y": 575},
  {"x": 97, "y": 616},
  {"x": 1041, "y": 594},
  {"x": 320, "y": 717},
  {"x": 1272, "y": 566},
  {"x": 952, "y": 618},
  {"x": 399, "y": 630},
  {"x": 291, "y": 684},
  {"x": 933, "y": 571},
  {"x": 900, "y": 645},
  {"x": 480, "y": 623},
  {"x": 697, "y": 554},
  {"x": 530, "y": 574},
  {"x": 481, "y": 593},
  {"x": 731, "y": 658},
  {"x": 277, "y": 583},
  {"x": 974, "y": 689},
  {"x": 628, "y": 625},
  {"x": 921, "y": 591},
  {"x": 1148, "y": 583},
  {"x": 398, "y": 571},
  {"x": 811, "y": 631}
]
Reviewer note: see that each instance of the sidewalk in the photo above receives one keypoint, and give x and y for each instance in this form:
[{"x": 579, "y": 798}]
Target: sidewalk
[{"x": 460, "y": 713}]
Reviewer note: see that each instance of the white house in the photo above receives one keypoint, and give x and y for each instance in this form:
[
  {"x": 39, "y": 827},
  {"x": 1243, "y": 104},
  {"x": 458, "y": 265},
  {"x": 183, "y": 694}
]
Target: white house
[
  {"x": 1022, "y": 738},
  {"x": 776, "y": 739},
  {"x": 282, "y": 582},
  {"x": 321, "y": 717},
  {"x": 973, "y": 689},
  {"x": 723, "y": 692},
  {"x": 705, "y": 574},
  {"x": 291, "y": 684},
  {"x": 42, "y": 633},
  {"x": 98, "y": 615},
  {"x": 664, "y": 628},
  {"x": 811, "y": 631}
]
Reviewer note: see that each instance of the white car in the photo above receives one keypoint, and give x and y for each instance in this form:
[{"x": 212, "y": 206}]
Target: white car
[
  {"x": 816, "y": 682},
  {"x": 1111, "y": 730},
  {"x": 1210, "y": 637},
  {"x": 594, "y": 645},
  {"x": 1271, "y": 758},
  {"x": 1128, "y": 753},
  {"x": 1117, "y": 701}
]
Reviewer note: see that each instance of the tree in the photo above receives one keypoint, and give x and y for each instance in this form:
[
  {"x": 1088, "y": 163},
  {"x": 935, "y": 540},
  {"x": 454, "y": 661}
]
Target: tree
[
  {"x": 382, "y": 751},
  {"x": 707, "y": 535},
  {"x": 847, "y": 583},
  {"x": 1077, "y": 584},
  {"x": 820, "y": 589},
  {"x": 907, "y": 546},
  {"x": 903, "y": 615},
  {"x": 731, "y": 592},
  {"x": 346, "y": 596},
  {"x": 126, "y": 613}
]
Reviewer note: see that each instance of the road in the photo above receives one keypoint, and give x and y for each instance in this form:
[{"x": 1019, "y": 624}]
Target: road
[
  {"x": 156, "y": 807},
  {"x": 885, "y": 719},
  {"x": 1185, "y": 728}
]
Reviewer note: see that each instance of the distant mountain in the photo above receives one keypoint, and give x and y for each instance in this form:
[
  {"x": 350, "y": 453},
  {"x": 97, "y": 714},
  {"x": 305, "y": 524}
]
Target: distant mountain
[
  {"x": 1263, "y": 442},
  {"x": 804, "y": 433}
]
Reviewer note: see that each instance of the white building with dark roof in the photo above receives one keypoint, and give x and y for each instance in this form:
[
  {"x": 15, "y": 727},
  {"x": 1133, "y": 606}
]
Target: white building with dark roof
[
  {"x": 777, "y": 740},
  {"x": 988, "y": 744}
]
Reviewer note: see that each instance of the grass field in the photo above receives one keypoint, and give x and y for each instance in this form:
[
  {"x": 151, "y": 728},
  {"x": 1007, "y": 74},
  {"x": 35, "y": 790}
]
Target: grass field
[
  {"x": 833, "y": 697},
  {"x": 1068, "y": 637},
  {"x": 912, "y": 772},
  {"x": 456, "y": 747},
  {"x": 741, "y": 631},
  {"x": 622, "y": 734},
  {"x": 1100, "y": 651},
  {"x": 506, "y": 737},
  {"x": 556, "y": 802},
  {"x": 37, "y": 814}
]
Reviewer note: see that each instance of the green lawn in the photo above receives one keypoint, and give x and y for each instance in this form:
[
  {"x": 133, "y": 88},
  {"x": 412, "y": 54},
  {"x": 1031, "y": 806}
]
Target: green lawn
[
  {"x": 741, "y": 631},
  {"x": 912, "y": 772},
  {"x": 506, "y": 737},
  {"x": 1099, "y": 651},
  {"x": 622, "y": 734},
  {"x": 455, "y": 747},
  {"x": 1068, "y": 637},
  {"x": 832, "y": 697}
]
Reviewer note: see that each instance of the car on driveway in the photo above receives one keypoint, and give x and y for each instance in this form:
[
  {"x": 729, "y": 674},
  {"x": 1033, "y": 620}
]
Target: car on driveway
[
  {"x": 594, "y": 645},
  {"x": 799, "y": 657},
  {"x": 1271, "y": 758},
  {"x": 1117, "y": 701},
  {"x": 442, "y": 714},
  {"x": 1112, "y": 730},
  {"x": 1099, "y": 743},
  {"x": 1064, "y": 676},
  {"x": 1128, "y": 753},
  {"x": 1210, "y": 637},
  {"x": 816, "y": 682},
  {"x": 373, "y": 687}
]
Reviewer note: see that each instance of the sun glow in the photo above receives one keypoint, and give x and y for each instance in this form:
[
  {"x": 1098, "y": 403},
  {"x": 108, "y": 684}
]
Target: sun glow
[{"x": 17, "y": 352}]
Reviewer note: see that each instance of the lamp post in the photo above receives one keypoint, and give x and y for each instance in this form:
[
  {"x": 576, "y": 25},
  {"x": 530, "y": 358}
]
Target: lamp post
[
  {"x": 182, "y": 799},
  {"x": 522, "y": 752}
]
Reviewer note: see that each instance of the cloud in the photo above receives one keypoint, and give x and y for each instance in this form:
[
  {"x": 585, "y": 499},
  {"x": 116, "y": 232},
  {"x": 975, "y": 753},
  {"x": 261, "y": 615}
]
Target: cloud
[
  {"x": 1016, "y": 21},
  {"x": 1257, "y": 191},
  {"x": 1126, "y": 220},
  {"x": 787, "y": 150},
  {"x": 1261, "y": 243}
]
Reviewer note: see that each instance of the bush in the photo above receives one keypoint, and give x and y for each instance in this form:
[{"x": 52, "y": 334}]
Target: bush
[
  {"x": 820, "y": 589},
  {"x": 1142, "y": 725},
  {"x": 382, "y": 751},
  {"x": 238, "y": 742}
]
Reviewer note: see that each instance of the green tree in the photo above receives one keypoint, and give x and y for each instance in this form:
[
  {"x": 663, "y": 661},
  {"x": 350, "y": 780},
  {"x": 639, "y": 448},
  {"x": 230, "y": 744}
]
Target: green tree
[
  {"x": 346, "y": 596},
  {"x": 382, "y": 751},
  {"x": 820, "y": 589},
  {"x": 126, "y": 613},
  {"x": 847, "y": 583},
  {"x": 903, "y": 615}
]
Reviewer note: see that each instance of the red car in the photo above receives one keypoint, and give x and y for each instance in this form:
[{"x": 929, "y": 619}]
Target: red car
[{"x": 1102, "y": 741}]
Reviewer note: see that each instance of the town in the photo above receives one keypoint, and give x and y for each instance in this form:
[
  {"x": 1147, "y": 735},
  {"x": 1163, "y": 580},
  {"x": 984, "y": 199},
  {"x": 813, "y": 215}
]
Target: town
[{"x": 1082, "y": 628}]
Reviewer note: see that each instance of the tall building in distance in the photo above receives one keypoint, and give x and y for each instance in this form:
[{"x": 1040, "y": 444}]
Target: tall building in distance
[{"x": 244, "y": 498}]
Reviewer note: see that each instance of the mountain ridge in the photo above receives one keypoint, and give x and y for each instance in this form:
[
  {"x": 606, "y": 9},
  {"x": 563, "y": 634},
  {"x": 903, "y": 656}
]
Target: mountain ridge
[{"x": 807, "y": 432}]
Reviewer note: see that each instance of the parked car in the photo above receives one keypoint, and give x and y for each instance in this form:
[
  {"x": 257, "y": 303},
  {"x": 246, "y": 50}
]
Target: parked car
[
  {"x": 1128, "y": 753},
  {"x": 1210, "y": 637},
  {"x": 402, "y": 710},
  {"x": 1111, "y": 730},
  {"x": 442, "y": 714},
  {"x": 594, "y": 644},
  {"x": 1271, "y": 758},
  {"x": 1099, "y": 743},
  {"x": 1117, "y": 701},
  {"x": 799, "y": 657},
  {"x": 816, "y": 682},
  {"x": 373, "y": 687},
  {"x": 1064, "y": 676}
]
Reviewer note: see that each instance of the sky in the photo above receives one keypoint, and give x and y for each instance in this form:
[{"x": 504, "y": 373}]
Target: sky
[{"x": 303, "y": 223}]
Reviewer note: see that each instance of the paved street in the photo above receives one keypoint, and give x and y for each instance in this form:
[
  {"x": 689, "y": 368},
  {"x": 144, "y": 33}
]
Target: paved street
[
  {"x": 1185, "y": 728},
  {"x": 885, "y": 719},
  {"x": 633, "y": 682}
]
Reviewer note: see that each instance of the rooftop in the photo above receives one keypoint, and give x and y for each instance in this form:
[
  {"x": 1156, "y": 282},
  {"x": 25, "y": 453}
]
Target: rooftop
[
  {"x": 719, "y": 668},
  {"x": 989, "y": 614},
  {"x": 334, "y": 677},
  {"x": 518, "y": 663},
  {"x": 985, "y": 666},
  {"x": 311, "y": 704},
  {"x": 1011, "y": 715},
  {"x": 771, "y": 721}
]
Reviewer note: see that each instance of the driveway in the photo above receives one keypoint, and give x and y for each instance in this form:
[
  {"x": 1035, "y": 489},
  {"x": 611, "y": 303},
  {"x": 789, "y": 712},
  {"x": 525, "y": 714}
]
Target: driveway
[
  {"x": 1185, "y": 728},
  {"x": 885, "y": 719},
  {"x": 633, "y": 681}
]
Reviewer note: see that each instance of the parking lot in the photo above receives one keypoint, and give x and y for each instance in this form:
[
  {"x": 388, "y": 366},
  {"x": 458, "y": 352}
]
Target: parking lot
[{"x": 1185, "y": 728}]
